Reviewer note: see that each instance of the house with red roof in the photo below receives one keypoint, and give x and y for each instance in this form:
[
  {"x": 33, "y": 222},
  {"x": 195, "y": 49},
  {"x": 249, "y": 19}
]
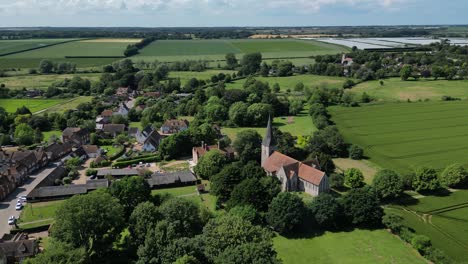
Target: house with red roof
[{"x": 294, "y": 175}]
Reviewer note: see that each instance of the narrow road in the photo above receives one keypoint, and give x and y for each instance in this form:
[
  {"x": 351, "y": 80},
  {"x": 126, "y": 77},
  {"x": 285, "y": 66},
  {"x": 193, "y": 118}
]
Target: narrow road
[{"x": 7, "y": 206}]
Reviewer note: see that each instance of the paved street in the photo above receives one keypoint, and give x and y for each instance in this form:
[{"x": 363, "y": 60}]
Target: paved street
[{"x": 7, "y": 206}]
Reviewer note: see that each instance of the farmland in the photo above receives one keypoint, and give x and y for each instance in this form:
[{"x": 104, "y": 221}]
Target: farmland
[
  {"x": 42, "y": 81},
  {"x": 36, "y": 105},
  {"x": 442, "y": 218},
  {"x": 174, "y": 50},
  {"x": 58, "y": 53},
  {"x": 357, "y": 246},
  {"x": 9, "y": 46},
  {"x": 402, "y": 136},
  {"x": 395, "y": 89},
  {"x": 290, "y": 82}
]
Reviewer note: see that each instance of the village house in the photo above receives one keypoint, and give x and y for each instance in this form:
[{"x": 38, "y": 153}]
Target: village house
[
  {"x": 345, "y": 61},
  {"x": 113, "y": 129},
  {"x": 293, "y": 174},
  {"x": 198, "y": 152},
  {"x": 21, "y": 163},
  {"x": 76, "y": 136},
  {"x": 173, "y": 126},
  {"x": 34, "y": 93},
  {"x": 142, "y": 135},
  {"x": 58, "y": 150},
  {"x": 92, "y": 151},
  {"x": 151, "y": 143},
  {"x": 17, "y": 251},
  {"x": 122, "y": 92}
]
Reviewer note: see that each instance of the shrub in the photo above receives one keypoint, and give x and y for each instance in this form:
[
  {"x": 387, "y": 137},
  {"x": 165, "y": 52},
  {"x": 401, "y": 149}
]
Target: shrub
[
  {"x": 393, "y": 222},
  {"x": 336, "y": 180},
  {"x": 355, "y": 152},
  {"x": 437, "y": 256},
  {"x": 388, "y": 184},
  {"x": 454, "y": 175},
  {"x": 67, "y": 180},
  {"x": 421, "y": 243},
  {"x": 91, "y": 172},
  {"x": 406, "y": 234},
  {"x": 425, "y": 179},
  {"x": 354, "y": 178}
]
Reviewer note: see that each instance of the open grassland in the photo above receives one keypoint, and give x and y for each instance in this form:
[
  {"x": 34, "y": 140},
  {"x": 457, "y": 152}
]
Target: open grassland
[
  {"x": 17, "y": 45},
  {"x": 34, "y": 105},
  {"x": 49, "y": 134},
  {"x": 357, "y": 246},
  {"x": 175, "y": 50},
  {"x": 290, "y": 82},
  {"x": 367, "y": 168},
  {"x": 42, "y": 81},
  {"x": 69, "y": 104},
  {"x": 38, "y": 214},
  {"x": 402, "y": 136},
  {"x": 300, "y": 125},
  {"x": 58, "y": 53},
  {"x": 395, "y": 89},
  {"x": 443, "y": 218}
]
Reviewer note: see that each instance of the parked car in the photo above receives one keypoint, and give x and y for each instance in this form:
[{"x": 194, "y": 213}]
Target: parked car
[
  {"x": 11, "y": 220},
  {"x": 23, "y": 198},
  {"x": 19, "y": 206}
]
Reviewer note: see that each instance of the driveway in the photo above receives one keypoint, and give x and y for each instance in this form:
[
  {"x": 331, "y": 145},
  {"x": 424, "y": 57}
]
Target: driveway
[{"x": 7, "y": 206}]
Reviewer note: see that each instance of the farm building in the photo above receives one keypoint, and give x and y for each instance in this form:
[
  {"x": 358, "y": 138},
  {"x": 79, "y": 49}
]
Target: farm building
[
  {"x": 117, "y": 172},
  {"x": 61, "y": 192},
  {"x": 159, "y": 180},
  {"x": 198, "y": 152}
]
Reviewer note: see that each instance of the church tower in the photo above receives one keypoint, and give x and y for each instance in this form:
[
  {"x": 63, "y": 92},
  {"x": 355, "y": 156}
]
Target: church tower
[{"x": 268, "y": 143}]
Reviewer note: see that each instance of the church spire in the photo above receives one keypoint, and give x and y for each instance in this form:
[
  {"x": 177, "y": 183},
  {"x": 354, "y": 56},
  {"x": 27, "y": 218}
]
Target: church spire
[{"x": 269, "y": 139}]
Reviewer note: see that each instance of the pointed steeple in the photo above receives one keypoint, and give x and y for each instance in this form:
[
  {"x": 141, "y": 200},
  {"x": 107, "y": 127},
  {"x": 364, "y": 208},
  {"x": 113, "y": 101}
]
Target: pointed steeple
[{"x": 269, "y": 139}]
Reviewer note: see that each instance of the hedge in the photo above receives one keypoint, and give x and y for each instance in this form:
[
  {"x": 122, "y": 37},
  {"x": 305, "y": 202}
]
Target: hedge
[{"x": 118, "y": 154}]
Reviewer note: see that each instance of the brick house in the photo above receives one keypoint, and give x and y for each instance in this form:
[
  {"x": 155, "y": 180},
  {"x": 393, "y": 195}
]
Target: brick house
[
  {"x": 75, "y": 135},
  {"x": 173, "y": 126}
]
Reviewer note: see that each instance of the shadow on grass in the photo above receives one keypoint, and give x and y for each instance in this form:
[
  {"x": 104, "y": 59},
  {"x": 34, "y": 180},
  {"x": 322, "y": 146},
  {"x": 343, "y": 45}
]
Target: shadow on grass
[
  {"x": 406, "y": 200},
  {"x": 310, "y": 230}
]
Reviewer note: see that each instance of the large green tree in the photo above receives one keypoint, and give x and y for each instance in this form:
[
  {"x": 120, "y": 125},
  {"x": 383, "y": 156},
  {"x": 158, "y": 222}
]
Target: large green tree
[
  {"x": 388, "y": 184},
  {"x": 454, "y": 175},
  {"x": 326, "y": 210},
  {"x": 144, "y": 217},
  {"x": 354, "y": 178},
  {"x": 130, "y": 191},
  {"x": 248, "y": 145},
  {"x": 238, "y": 113},
  {"x": 250, "y": 63},
  {"x": 183, "y": 214},
  {"x": 24, "y": 135},
  {"x": 59, "y": 253},
  {"x": 425, "y": 179},
  {"x": 362, "y": 207},
  {"x": 224, "y": 182},
  {"x": 286, "y": 212},
  {"x": 210, "y": 164},
  {"x": 93, "y": 221},
  {"x": 250, "y": 192}
]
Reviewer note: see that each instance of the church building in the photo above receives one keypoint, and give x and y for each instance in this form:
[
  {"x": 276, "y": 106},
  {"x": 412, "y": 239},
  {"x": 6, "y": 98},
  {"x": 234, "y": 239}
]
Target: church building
[{"x": 295, "y": 176}]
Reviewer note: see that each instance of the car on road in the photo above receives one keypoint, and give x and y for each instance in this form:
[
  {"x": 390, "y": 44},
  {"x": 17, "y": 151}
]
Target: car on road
[
  {"x": 23, "y": 198},
  {"x": 11, "y": 220},
  {"x": 19, "y": 206}
]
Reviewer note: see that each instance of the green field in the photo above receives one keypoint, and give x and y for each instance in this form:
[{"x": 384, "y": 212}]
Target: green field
[
  {"x": 300, "y": 125},
  {"x": 69, "y": 104},
  {"x": 175, "y": 50},
  {"x": 290, "y": 82},
  {"x": 49, "y": 134},
  {"x": 357, "y": 246},
  {"x": 58, "y": 53},
  {"x": 17, "y": 45},
  {"x": 42, "y": 81},
  {"x": 395, "y": 89},
  {"x": 34, "y": 105},
  {"x": 442, "y": 218},
  {"x": 402, "y": 136},
  {"x": 206, "y": 200},
  {"x": 38, "y": 214}
]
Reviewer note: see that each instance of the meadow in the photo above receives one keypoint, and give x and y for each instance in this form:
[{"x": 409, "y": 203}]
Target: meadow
[
  {"x": 300, "y": 125},
  {"x": 290, "y": 82},
  {"x": 42, "y": 81},
  {"x": 175, "y": 50},
  {"x": 18, "y": 45},
  {"x": 443, "y": 218},
  {"x": 357, "y": 246},
  {"x": 394, "y": 89},
  {"x": 402, "y": 136},
  {"x": 34, "y": 105},
  {"x": 80, "y": 48},
  {"x": 38, "y": 214}
]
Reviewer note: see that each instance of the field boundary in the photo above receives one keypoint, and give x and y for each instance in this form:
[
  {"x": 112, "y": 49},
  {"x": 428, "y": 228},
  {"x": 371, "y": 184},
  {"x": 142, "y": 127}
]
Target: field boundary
[{"x": 35, "y": 48}]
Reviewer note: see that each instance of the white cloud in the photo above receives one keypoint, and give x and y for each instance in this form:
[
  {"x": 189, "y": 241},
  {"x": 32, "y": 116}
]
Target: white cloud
[{"x": 210, "y": 6}]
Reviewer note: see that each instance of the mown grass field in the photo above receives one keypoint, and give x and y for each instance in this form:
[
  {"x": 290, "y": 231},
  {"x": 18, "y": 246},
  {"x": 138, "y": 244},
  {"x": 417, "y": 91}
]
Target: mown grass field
[
  {"x": 38, "y": 214},
  {"x": 402, "y": 136},
  {"x": 395, "y": 89},
  {"x": 300, "y": 125},
  {"x": 174, "y": 50},
  {"x": 290, "y": 82},
  {"x": 58, "y": 53},
  {"x": 42, "y": 81},
  {"x": 69, "y": 104},
  {"x": 442, "y": 218},
  {"x": 16, "y": 45},
  {"x": 34, "y": 105},
  {"x": 357, "y": 246}
]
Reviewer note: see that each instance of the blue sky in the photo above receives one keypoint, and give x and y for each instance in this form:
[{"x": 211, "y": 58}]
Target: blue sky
[{"x": 175, "y": 13}]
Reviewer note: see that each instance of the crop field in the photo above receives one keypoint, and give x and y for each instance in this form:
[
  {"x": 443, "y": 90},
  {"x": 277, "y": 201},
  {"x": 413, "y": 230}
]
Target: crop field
[
  {"x": 174, "y": 50},
  {"x": 442, "y": 218},
  {"x": 34, "y": 105},
  {"x": 402, "y": 136},
  {"x": 357, "y": 246},
  {"x": 300, "y": 125},
  {"x": 69, "y": 104},
  {"x": 17, "y": 45},
  {"x": 395, "y": 89},
  {"x": 42, "y": 81},
  {"x": 290, "y": 82},
  {"x": 58, "y": 53}
]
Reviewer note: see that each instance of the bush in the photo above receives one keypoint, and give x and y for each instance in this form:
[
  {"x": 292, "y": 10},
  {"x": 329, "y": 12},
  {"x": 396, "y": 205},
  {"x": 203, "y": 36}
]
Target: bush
[
  {"x": 355, "y": 152},
  {"x": 354, "y": 178},
  {"x": 425, "y": 179},
  {"x": 348, "y": 84},
  {"x": 66, "y": 180},
  {"x": 421, "y": 243},
  {"x": 336, "y": 180},
  {"x": 454, "y": 175},
  {"x": 406, "y": 234},
  {"x": 438, "y": 256},
  {"x": 91, "y": 172},
  {"x": 388, "y": 184},
  {"x": 393, "y": 222}
]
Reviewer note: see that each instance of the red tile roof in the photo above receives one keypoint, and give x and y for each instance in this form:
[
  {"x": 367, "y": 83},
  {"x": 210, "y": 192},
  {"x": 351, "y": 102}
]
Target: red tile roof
[{"x": 292, "y": 166}]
